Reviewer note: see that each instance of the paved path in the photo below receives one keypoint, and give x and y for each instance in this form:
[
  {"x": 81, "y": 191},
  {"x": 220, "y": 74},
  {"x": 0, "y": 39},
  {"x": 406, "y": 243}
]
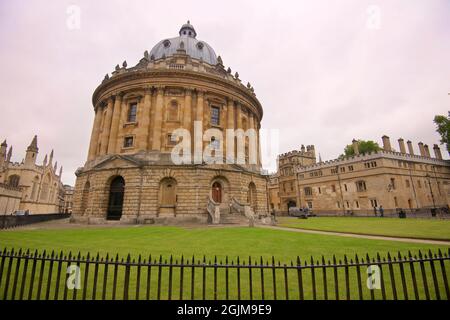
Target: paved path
[{"x": 362, "y": 236}]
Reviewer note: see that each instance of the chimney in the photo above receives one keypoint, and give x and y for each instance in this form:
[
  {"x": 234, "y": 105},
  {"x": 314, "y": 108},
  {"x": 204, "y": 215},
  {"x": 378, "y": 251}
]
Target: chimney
[
  {"x": 421, "y": 149},
  {"x": 355, "y": 146},
  {"x": 427, "y": 151},
  {"x": 410, "y": 147},
  {"x": 437, "y": 152},
  {"x": 401, "y": 144},
  {"x": 386, "y": 143}
]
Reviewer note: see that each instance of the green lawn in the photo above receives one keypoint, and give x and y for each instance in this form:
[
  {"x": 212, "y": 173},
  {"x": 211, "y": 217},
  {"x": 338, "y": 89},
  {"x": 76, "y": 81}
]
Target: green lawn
[
  {"x": 409, "y": 228},
  {"x": 285, "y": 246}
]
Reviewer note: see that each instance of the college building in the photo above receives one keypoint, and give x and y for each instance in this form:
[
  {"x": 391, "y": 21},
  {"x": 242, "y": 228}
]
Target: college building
[
  {"x": 391, "y": 179},
  {"x": 29, "y": 186}
]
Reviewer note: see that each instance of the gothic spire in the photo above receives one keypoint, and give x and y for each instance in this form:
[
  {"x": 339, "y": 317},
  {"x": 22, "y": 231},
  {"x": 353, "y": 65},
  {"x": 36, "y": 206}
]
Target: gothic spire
[
  {"x": 33, "y": 145},
  {"x": 8, "y": 157}
]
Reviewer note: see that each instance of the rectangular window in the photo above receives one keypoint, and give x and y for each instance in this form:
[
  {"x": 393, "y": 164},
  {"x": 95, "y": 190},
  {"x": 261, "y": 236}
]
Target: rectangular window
[
  {"x": 132, "y": 110},
  {"x": 357, "y": 204},
  {"x": 345, "y": 187},
  {"x": 308, "y": 191},
  {"x": 407, "y": 183},
  {"x": 320, "y": 191},
  {"x": 215, "y": 116},
  {"x": 171, "y": 139},
  {"x": 350, "y": 168},
  {"x": 333, "y": 188},
  {"x": 310, "y": 206},
  {"x": 128, "y": 142},
  {"x": 392, "y": 186},
  {"x": 361, "y": 186},
  {"x": 419, "y": 183},
  {"x": 342, "y": 169}
]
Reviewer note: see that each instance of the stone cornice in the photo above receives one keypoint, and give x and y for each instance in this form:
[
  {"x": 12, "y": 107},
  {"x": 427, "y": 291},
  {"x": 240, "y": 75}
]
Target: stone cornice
[{"x": 177, "y": 77}]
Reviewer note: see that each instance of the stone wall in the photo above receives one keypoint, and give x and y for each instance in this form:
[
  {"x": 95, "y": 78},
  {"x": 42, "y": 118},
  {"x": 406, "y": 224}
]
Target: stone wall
[{"x": 142, "y": 191}]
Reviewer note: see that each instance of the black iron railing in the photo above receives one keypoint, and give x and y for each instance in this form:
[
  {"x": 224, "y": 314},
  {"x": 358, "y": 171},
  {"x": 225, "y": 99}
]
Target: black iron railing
[{"x": 25, "y": 275}]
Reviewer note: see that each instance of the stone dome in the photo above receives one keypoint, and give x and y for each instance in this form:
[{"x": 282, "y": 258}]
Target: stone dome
[{"x": 185, "y": 41}]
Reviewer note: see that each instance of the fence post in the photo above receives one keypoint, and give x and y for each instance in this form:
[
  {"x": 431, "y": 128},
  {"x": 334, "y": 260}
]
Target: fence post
[
  {"x": 300, "y": 279},
  {"x": 444, "y": 275},
  {"x": 127, "y": 278}
]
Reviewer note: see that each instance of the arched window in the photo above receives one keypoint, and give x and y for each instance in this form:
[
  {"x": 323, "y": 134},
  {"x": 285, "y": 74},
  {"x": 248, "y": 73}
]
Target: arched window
[
  {"x": 172, "y": 112},
  {"x": 168, "y": 192},
  {"x": 45, "y": 187},
  {"x": 14, "y": 180},
  {"x": 34, "y": 187}
]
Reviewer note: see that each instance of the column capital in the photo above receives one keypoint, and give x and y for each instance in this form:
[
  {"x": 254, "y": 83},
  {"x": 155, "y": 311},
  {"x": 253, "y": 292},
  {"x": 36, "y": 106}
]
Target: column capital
[
  {"x": 160, "y": 89},
  {"x": 148, "y": 90},
  {"x": 118, "y": 95},
  {"x": 200, "y": 92},
  {"x": 188, "y": 91}
]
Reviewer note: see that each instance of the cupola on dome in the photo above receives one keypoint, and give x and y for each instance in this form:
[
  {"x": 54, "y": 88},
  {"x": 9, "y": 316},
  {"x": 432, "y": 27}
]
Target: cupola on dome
[{"x": 187, "y": 41}]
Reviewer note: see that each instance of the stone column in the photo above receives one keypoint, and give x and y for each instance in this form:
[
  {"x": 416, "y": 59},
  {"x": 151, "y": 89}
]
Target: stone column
[
  {"x": 187, "y": 114},
  {"x": 95, "y": 135},
  {"x": 230, "y": 125},
  {"x": 144, "y": 121},
  {"x": 115, "y": 124},
  {"x": 239, "y": 116},
  {"x": 427, "y": 151},
  {"x": 200, "y": 112},
  {"x": 401, "y": 145},
  {"x": 252, "y": 126},
  {"x": 386, "y": 143},
  {"x": 410, "y": 147},
  {"x": 120, "y": 130},
  {"x": 157, "y": 122},
  {"x": 355, "y": 146},
  {"x": 106, "y": 127},
  {"x": 437, "y": 152},
  {"x": 421, "y": 149}
]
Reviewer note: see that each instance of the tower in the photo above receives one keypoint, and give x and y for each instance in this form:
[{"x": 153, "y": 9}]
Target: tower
[
  {"x": 32, "y": 151},
  {"x": 3, "y": 147}
]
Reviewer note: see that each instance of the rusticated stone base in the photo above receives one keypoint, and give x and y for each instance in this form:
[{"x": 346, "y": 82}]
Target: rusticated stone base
[{"x": 144, "y": 194}]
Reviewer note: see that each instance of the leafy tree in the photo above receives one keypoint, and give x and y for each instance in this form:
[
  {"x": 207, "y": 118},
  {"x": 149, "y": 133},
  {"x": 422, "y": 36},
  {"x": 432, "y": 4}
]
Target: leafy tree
[
  {"x": 443, "y": 128},
  {"x": 364, "y": 146}
]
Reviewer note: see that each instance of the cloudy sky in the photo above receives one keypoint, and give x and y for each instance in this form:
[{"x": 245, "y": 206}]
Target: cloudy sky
[{"x": 325, "y": 71}]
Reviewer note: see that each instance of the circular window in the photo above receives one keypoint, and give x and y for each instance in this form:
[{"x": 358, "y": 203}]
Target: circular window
[
  {"x": 200, "y": 45},
  {"x": 166, "y": 43}
]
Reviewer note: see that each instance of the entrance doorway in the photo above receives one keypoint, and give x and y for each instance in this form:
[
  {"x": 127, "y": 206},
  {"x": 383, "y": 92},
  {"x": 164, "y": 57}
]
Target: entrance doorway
[
  {"x": 115, "y": 203},
  {"x": 291, "y": 204},
  {"x": 217, "y": 192}
]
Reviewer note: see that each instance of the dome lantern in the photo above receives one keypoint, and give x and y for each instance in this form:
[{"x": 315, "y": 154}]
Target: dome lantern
[{"x": 188, "y": 30}]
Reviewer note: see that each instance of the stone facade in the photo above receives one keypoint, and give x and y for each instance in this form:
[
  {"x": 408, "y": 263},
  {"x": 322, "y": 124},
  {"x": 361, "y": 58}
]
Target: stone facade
[
  {"x": 356, "y": 184},
  {"x": 27, "y": 185},
  {"x": 129, "y": 174}
]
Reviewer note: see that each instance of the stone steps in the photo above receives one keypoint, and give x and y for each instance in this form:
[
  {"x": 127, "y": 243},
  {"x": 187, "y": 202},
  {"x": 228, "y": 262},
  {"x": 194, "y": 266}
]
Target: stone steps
[{"x": 233, "y": 219}]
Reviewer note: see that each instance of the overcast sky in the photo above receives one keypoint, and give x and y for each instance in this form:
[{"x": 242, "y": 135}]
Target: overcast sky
[{"x": 325, "y": 72}]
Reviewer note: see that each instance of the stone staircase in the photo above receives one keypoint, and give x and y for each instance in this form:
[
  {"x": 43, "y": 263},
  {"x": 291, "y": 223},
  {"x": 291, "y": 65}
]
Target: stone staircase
[{"x": 228, "y": 218}]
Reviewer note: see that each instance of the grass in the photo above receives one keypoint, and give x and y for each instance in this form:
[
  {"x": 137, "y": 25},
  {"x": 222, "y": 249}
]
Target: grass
[
  {"x": 407, "y": 228},
  {"x": 285, "y": 246}
]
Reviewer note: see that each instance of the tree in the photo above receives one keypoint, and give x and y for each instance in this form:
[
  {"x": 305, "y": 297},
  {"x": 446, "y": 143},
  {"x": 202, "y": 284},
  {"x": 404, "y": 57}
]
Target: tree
[
  {"x": 443, "y": 128},
  {"x": 364, "y": 146}
]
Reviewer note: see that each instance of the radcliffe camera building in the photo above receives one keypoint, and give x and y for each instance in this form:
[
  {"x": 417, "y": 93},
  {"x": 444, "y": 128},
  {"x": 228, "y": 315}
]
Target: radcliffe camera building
[
  {"x": 404, "y": 179},
  {"x": 129, "y": 174}
]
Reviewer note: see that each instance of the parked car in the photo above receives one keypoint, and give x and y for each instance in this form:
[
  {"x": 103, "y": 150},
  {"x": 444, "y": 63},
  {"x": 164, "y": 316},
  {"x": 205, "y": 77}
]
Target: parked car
[
  {"x": 21, "y": 213},
  {"x": 297, "y": 212}
]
